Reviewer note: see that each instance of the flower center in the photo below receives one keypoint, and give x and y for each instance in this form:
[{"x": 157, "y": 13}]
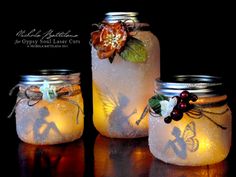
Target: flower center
[{"x": 112, "y": 40}]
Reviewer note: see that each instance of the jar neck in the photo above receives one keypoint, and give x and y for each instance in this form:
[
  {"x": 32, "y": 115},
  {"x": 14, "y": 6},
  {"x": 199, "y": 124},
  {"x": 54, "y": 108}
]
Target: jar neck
[{"x": 56, "y": 77}]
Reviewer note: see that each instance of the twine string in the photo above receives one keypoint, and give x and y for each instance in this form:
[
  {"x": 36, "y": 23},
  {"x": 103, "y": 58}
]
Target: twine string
[
  {"x": 33, "y": 97},
  {"x": 197, "y": 112},
  {"x": 145, "y": 111}
]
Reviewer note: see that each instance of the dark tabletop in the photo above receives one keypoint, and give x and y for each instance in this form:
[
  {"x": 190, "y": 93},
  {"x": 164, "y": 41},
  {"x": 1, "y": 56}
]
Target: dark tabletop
[{"x": 100, "y": 157}]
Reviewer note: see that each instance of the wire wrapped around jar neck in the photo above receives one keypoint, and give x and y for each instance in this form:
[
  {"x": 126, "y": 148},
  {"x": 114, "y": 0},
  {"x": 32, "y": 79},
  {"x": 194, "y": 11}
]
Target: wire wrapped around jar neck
[
  {"x": 48, "y": 85},
  {"x": 181, "y": 94}
]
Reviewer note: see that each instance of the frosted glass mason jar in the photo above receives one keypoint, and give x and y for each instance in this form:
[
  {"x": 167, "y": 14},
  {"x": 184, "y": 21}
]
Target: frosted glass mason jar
[
  {"x": 125, "y": 61},
  {"x": 49, "y": 108},
  {"x": 190, "y": 121}
]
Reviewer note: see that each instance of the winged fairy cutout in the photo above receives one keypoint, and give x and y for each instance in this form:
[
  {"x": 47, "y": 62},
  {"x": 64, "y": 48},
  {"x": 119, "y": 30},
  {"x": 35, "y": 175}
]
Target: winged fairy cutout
[
  {"x": 184, "y": 142},
  {"x": 119, "y": 121}
]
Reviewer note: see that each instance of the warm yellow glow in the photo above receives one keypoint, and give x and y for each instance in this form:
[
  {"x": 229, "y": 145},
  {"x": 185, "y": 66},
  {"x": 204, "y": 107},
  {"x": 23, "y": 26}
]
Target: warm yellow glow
[
  {"x": 193, "y": 142},
  {"x": 138, "y": 154},
  {"x": 102, "y": 115},
  {"x": 42, "y": 128},
  {"x": 205, "y": 144},
  {"x": 121, "y": 90},
  {"x": 50, "y": 122},
  {"x": 100, "y": 122}
]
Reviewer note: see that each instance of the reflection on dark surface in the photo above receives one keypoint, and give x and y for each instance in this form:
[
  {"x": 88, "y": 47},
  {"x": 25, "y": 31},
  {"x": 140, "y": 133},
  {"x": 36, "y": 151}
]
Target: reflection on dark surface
[
  {"x": 159, "y": 168},
  {"x": 132, "y": 158},
  {"x": 121, "y": 157},
  {"x": 112, "y": 158},
  {"x": 57, "y": 160}
]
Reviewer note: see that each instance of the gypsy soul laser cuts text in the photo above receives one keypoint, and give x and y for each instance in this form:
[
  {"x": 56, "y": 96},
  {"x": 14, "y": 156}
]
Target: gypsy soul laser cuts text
[{"x": 46, "y": 39}]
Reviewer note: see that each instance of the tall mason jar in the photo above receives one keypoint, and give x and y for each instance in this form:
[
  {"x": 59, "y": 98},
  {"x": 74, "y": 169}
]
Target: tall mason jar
[
  {"x": 190, "y": 121},
  {"x": 49, "y": 108},
  {"x": 125, "y": 61}
]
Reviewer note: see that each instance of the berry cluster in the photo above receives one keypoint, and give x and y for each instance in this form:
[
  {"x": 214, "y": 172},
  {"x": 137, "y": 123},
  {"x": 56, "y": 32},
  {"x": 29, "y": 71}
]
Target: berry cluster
[{"x": 182, "y": 106}]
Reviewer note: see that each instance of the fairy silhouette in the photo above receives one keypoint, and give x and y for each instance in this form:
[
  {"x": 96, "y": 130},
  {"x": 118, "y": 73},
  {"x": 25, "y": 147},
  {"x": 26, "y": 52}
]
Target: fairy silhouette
[
  {"x": 181, "y": 144},
  {"x": 114, "y": 108},
  {"x": 119, "y": 121},
  {"x": 42, "y": 123}
]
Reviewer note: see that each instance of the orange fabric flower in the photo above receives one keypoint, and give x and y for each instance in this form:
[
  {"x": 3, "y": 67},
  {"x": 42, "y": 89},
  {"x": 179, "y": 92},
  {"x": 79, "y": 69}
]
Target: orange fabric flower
[{"x": 109, "y": 40}]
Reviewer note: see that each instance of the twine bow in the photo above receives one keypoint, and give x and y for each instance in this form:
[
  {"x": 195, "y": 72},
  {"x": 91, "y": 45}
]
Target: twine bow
[{"x": 35, "y": 94}]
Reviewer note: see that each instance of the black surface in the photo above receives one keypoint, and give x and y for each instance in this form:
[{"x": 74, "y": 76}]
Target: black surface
[{"x": 194, "y": 39}]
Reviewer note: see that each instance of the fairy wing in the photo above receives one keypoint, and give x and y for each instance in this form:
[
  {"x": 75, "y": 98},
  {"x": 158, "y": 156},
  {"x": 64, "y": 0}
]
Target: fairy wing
[
  {"x": 109, "y": 101},
  {"x": 189, "y": 136}
]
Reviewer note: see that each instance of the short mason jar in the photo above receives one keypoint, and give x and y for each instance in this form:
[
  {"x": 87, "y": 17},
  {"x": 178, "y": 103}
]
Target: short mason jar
[
  {"x": 125, "y": 61},
  {"x": 199, "y": 134},
  {"x": 49, "y": 108}
]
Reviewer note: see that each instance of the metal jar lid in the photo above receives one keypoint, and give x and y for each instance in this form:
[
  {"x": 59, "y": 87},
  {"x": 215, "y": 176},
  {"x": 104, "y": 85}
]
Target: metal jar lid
[
  {"x": 113, "y": 17},
  {"x": 53, "y": 76},
  {"x": 201, "y": 85}
]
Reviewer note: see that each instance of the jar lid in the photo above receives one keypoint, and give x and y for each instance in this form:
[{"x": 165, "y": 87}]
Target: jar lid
[
  {"x": 201, "y": 85},
  {"x": 53, "y": 76},
  {"x": 113, "y": 17}
]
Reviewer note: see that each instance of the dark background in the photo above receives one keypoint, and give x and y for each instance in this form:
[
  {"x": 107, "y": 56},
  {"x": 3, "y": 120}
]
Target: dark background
[{"x": 194, "y": 38}]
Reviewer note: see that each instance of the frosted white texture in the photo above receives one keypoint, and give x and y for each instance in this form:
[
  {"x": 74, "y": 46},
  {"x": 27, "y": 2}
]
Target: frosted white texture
[
  {"x": 121, "y": 90},
  {"x": 191, "y": 142},
  {"x": 49, "y": 122}
]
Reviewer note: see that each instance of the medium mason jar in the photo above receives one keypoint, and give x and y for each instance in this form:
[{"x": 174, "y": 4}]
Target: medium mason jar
[
  {"x": 125, "y": 61},
  {"x": 49, "y": 108},
  {"x": 190, "y": 121}
]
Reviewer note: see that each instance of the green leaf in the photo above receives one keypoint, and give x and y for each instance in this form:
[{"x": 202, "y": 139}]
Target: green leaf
[
  {"x": 154, "y": 102},
  {"x": 134, "y": 51}
]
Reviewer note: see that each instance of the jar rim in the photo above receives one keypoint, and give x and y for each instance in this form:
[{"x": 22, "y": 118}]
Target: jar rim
[
  {"x": 123, "y": 13},
  {"x": 53, "y": 76},
  {"x": 197, "y": 78},
  {"x": 201, "y": 85},
  {"x": 113, "y": 17}
]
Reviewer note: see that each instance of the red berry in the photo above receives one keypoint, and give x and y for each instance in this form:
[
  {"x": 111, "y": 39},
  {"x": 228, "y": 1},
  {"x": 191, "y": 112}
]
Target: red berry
[
  {"x": 167, "y": 120},
  {"x": 184, "y": 95},
  {"x": 176, "y": 114},
  {"x": 183, "y": 106},
  {"x": 193, "y": 97}
]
